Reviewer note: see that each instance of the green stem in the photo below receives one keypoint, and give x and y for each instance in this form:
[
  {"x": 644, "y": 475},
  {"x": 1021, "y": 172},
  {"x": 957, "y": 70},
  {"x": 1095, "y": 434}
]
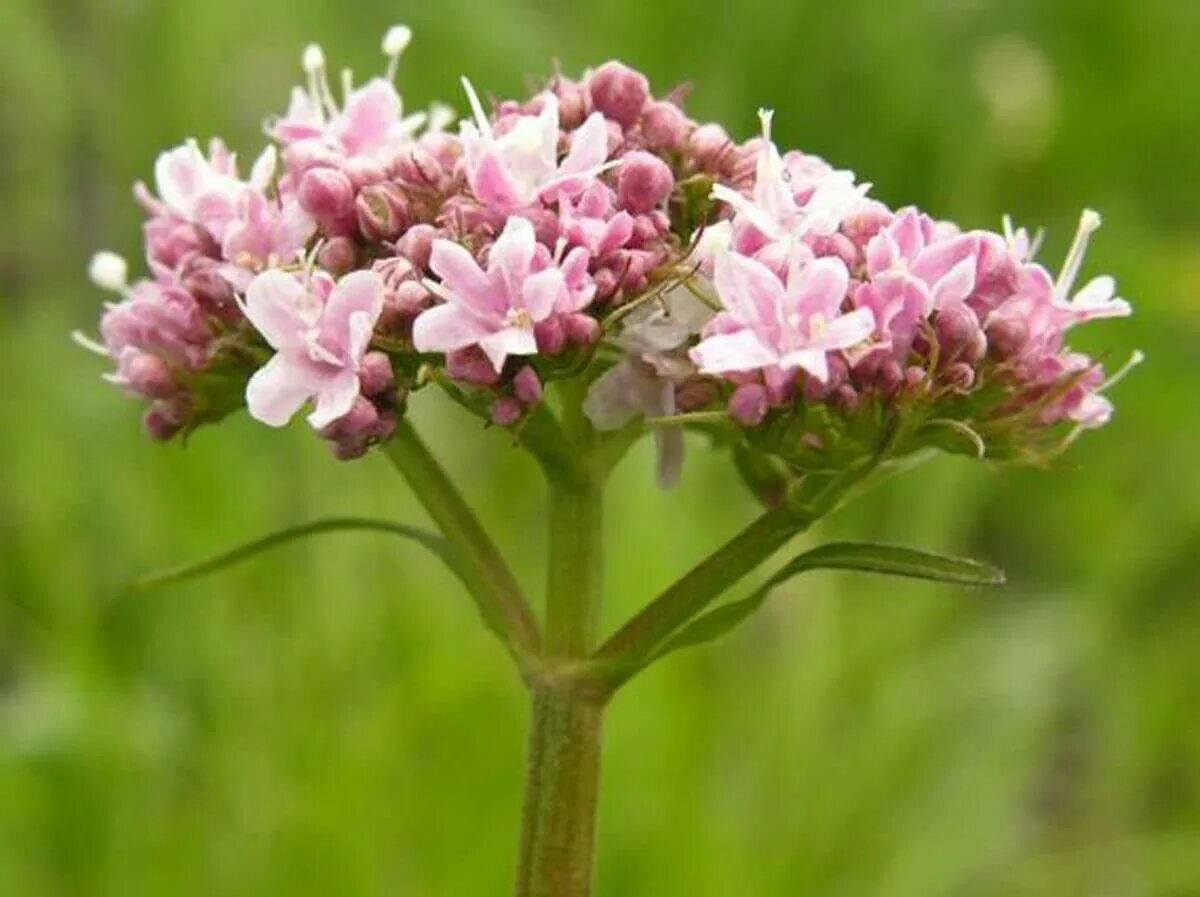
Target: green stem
[
  {"x": 484, "y": 571},
  {"x": 558, "y": 826}
]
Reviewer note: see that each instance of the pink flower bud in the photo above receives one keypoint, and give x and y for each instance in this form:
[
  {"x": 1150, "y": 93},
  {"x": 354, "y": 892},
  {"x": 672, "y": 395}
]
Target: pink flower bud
[
  {"x": 572, "y": 103},
  {"x": 748, "y": 404},
  {"x": 506, "y": 411},
  {"x": 339, "y": 256},
  {"x": 527, "y": 387},
  {"x": 665, "y": 127},
  {"x": 363, "y": 172},
  {"x": 958, "y": 335},
  {"x": 145, "y": 374},
  {"x": 417, "y": 243},
  {"x": 914, "y": 378},
  {"x": 203, "y": 279},
  {"x": 419, "y": 168},
  {"x": 375, "y": 375},
  {"x": 582, "y": 330},
  {"x": 551, "y": 335},
  {"x": 163, "y": 420},
  {"x": 710, "y": 148},
  {"x": 890, "y": 377},
  {"x": 643, "y": 181},
  {"x": 1006, "y": 337},
  {"x": 960, "y": 376},
  {"x": 328, "y": 196},
  {"x": 695, "y": 393},
  {"x": 844, "y": 397},
  {"x": 619, "y": 92},
  {"x": 382, "y": 212},
  {"x": 470, "y": 365}
]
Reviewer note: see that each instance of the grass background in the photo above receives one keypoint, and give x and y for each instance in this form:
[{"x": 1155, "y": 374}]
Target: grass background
[{"x": 331, "y": 720}]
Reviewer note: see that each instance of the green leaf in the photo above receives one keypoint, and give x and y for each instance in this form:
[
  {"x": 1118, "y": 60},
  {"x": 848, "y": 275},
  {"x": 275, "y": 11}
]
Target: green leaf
[
  {"x": 889, "y": 560},
  {"x": 182, "y": 572}
]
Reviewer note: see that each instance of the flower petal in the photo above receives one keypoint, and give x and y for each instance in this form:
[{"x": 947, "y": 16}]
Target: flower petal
[
  {"x": 728, "y": 352},
  {"x": 272, "y": 302},
  {"x": 445, "y": 328},
  {"x": 353, "y": 307},
  {"x": 335, "y": 398},
  {"x": 747, "y": 288},
  {"x": 509, "y": 341},
  {"x": 465, "y": 282},
  {"x": 278, "y": 389}
]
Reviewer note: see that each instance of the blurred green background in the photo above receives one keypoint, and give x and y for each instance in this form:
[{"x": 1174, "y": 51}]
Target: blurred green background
[{"x": 330, "y": 719}]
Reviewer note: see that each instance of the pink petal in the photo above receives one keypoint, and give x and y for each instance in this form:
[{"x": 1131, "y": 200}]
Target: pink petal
[
  {"x": 445, "y": 328},
  {"x": 907, "y": 233},
  {"x": 277, "y": 390},
  {"x": 335, "y": 398},
  {"x": 956, "y": 285},
  {"x": 747, "y": 288},
  {"x": 728, "y": 352},
  {"x": 511, "y": 257},
  {"x": 541, "y": 292},
  {"x": 370, "y": 113},
  {"x": 272, "y": 300},
  {"x": 493, "y": 184},
  {"x": 589, "y": 146},
  {"x": 818, "y": 288},
  {"x": 509, "y": 341},
  {"x": 463, "y": 278},
  {"x": 357, "y": 297},
  {"x": 846, "y": 331},
  {"x": 811, "y": 360}
]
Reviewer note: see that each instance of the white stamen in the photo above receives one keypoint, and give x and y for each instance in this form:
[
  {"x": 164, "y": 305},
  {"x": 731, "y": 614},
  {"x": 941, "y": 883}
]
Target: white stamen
[
  {"x": 81, "y": 339},
  {"x": 313, "y": 60},
  {"x": 1135, "y": 359},
  {"x": 108, "y": 271},
  {"x": 347, "y": 85},
  {"x": 395, "y": 41},
  {"x": 1089, "y": 223},
  {"x": 481, "y": 120},
  {"x": 441, "y": 116},
  {"x": 765, "y": 116}
]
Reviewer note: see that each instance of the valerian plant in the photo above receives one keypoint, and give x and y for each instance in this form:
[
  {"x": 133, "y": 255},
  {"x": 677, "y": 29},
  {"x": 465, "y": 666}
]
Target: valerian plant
[{"x": 582, "y": 268}]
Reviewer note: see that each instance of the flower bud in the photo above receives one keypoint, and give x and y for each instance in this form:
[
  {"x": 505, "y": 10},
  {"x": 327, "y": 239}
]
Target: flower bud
[
  {"x": 619, "y": 92},
  {"x": 417, "y": 244},
  {"x": 889, "y": 378},
  {"x": 1006, "y": 337},
  {"x": 203, "y": 279},
  {"x": 145, "y": 374},
  {"x": 958, "y": 335},
  {"x": 163, "y": 420},
  {"x": 338, "y": 256},
  {"x": 551, "y": 335},
  {"x": 582, "y": 330},
  {"x": 572, "y": 103},
  {"x": 328, "y": 195},
  {"x": 695, "y": 393},
  {"x": 506, "y": 411},
  {"x": 960, "y": 376},
  {"x": 748, "y": 404},
  {"x": 914, "y": 378},
  {"x": 643, "y": 181},
  {"x": 375, "y": 375},
  {"x": 665, "y": 127},
  {"x": 108, "y": 271},
  {"x": 844, "y": 397},
  {"x": 470, "y": 365},
  {"x": 527, "y": 387},
  {"x": 710, "y": 148},
  {"x": 382, "y": 212}
]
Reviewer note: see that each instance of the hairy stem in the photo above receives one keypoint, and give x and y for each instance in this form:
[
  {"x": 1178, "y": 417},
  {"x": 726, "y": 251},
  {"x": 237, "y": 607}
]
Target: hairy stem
[{"x": 484, "y": 571}]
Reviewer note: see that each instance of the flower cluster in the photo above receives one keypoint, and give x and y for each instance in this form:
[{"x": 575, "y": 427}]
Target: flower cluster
[{"x": 593, "y": 232}]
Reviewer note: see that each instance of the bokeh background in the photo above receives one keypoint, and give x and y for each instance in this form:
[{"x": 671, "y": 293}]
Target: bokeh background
[{"x": 330, "y": 719}]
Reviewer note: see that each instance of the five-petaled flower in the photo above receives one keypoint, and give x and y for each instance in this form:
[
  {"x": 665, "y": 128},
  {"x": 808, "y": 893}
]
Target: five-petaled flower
[
  {"x": 320, "y": 331},
  {"x": 497, "y": 309},
  {"x": 770, "y": 325}
]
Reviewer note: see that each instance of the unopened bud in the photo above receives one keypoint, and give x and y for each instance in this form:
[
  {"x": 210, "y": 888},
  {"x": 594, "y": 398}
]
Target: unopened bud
[
  {"x": 417, "y": 244},
  {"x": 375, "y": 375},
  {"x": 108, "y": 271},
  {"x": 338, "y": 256},
  {"x": 619, "y": 92},
  {"x": 527, "y": 387},
  {"x": 643, "y": 181},
  {"x": 959, "y": 376},
  {"x": 1006, "y": 337},
  {"x": 748, "y": 404},
  {"x": 582, "y": 330},
  {"x": 958, "y": 335},
  {"x": 328, "y": 195},
  {"x": 710, "y": 148},
  {"x": 665, "y": 127},
  {"x": 506, "y": 411},
  {"x": 382, "y": 212}
]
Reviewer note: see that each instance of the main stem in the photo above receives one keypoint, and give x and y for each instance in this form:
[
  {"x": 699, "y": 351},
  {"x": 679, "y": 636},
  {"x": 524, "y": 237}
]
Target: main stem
[{"x": 558, "y": 825}]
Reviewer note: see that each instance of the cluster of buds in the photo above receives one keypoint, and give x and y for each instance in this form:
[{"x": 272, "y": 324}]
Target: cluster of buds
[{"x": 593, "y": 232}]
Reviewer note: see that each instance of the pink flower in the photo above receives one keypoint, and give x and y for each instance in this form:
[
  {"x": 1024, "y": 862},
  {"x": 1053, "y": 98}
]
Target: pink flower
[
  {"x": 912, "y": 248},
  {"x": 265, "y": 234},
  {"x": 593, "y": 221},
  {"x": 812, "y": 199},
  {"x": 497, "y": 310},
  {"x": 769, "y": 325},
  {"x": 320, "y": 332},
  {"x": 512, "y": 170},
  {"x": 205, "y": 190}
]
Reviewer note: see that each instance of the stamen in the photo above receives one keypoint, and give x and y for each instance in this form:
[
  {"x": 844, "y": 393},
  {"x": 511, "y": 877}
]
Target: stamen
[
  {"x": 1089, "y": 223},
  {"x": 765, "y": 116},
  {"x": 347, "y": 85},
  {"x": 109, "y": 271},
  {"x": 481, "y": 120},
  {"x": 441, "y": 116},
  {"x": 318, "y": 86},
  {"x": 1135, "y": 359},
  {"x": 395, "y": 41},
  {"x": 81, "y": 339}
]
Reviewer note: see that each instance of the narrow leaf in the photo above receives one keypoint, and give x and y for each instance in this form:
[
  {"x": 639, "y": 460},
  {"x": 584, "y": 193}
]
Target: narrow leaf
[
  {"x": 889, "y": 560},
  {"x": 182, "y": 572}
]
